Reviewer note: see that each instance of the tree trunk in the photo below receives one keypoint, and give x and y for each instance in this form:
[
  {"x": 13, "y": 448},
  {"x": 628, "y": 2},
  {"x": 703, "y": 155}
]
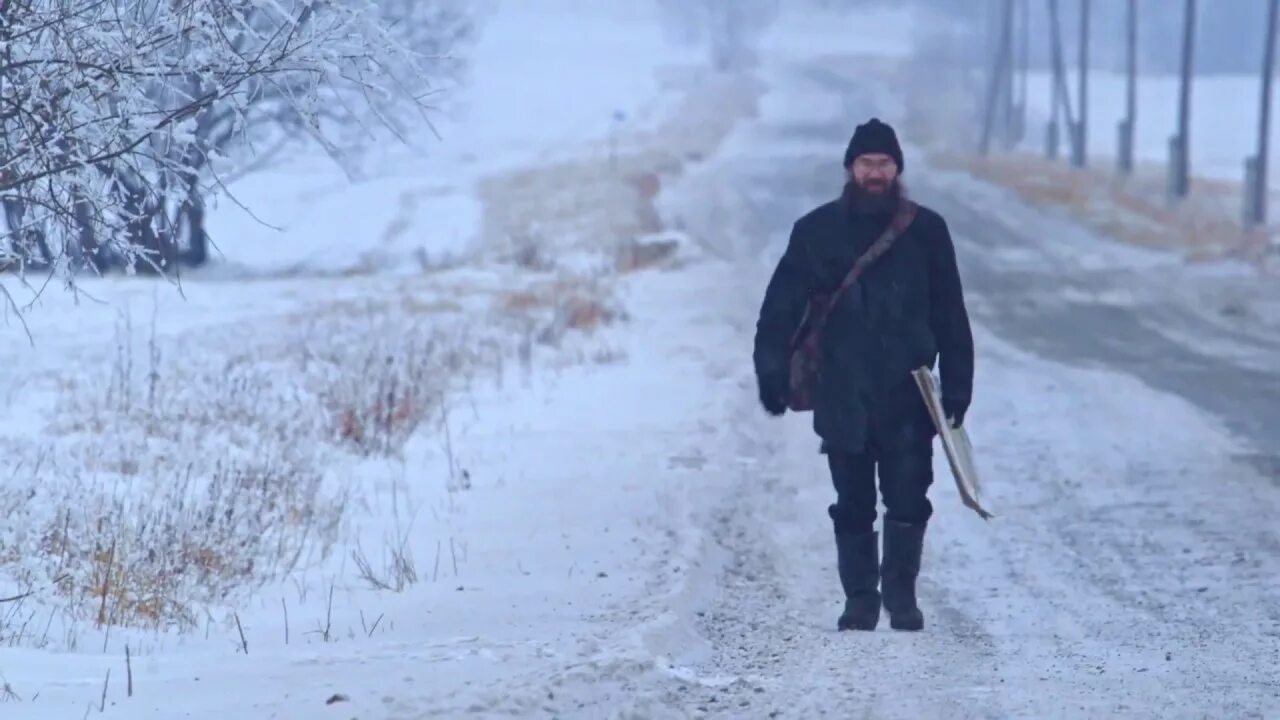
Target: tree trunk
[
  {"x": 191, "y": 217},
  {"x": 28, "y": 244},
  {"x": 87, "y": 248},
  {"x": 156, "y": 246}
]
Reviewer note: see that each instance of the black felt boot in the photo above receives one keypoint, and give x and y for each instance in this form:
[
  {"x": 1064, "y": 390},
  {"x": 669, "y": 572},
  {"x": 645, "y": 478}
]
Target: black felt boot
[
  {"x": 858, "y": 559},
  {"x": 903, "y": 545}
]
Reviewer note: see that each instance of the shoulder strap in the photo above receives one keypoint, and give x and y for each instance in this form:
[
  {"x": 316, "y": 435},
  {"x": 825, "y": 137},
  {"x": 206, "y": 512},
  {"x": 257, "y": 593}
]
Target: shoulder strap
[{"x": 902, "y": 218}]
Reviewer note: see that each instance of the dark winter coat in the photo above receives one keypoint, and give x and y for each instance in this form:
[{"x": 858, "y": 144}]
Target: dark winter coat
[{"x": 906, "y": 311}]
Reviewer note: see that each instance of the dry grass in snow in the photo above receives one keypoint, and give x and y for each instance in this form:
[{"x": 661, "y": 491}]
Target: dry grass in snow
[
  {"x": 178, "y": 473},
  {"x": 1205, "y": 226},
  {"x": 175, "y": 474},
  {"x": 181, "y": 471}
]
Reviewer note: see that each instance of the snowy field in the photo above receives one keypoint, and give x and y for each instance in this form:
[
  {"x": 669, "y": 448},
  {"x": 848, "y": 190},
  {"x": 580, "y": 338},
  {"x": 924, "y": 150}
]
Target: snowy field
[
  {"x": 530, "y": 94},
  {"x": 289, "y": 449},
  {"x": 477, "y": 436}
]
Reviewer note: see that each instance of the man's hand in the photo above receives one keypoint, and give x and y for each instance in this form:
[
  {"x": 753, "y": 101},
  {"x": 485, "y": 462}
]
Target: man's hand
[
  {"x": 954, "y": 409},
  {"x": 773, "y": 394}
]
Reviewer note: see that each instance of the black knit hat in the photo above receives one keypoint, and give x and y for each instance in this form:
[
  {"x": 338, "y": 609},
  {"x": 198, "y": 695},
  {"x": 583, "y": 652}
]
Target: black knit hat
[{"x": 874, "y": 136}]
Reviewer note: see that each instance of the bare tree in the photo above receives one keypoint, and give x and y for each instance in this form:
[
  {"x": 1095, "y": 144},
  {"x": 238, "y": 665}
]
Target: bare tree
[
  {"x": 116, "y": 114},
  {"x": 730, "y": 27}
]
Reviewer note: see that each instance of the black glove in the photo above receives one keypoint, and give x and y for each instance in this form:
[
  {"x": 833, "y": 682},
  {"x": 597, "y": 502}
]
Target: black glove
[
  {"x": 954, "y": 409},
  {"x": 773, "y": 394}
]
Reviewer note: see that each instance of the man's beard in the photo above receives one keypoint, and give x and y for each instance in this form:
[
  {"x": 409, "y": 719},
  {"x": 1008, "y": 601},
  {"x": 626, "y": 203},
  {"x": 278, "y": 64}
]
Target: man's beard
[{"x": 876, "y": 199}]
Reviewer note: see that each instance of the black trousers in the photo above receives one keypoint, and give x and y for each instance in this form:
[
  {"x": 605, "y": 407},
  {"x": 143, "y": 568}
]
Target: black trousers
[{"x": 905, "y": 476}]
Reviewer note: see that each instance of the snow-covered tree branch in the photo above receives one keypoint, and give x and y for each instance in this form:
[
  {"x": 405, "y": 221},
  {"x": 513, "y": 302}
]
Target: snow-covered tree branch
[{"x": 115, "y": 113}]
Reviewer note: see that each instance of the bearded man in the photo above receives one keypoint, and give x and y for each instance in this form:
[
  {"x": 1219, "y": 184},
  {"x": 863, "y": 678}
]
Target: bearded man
[{"x": 905, "y": 310}]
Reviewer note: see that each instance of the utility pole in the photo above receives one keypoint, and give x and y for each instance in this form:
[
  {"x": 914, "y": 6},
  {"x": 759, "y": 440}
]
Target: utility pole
[
  {"x": 1055, "y": 52},
  {"x": 1007, "y": 86},
  {"x": 1129, "y": 123},
  {"x": 1061, "y": 97},
  {"x": 1024, "y": 66},
  {"x": 989, "y": 59},
  {"x": 1179, "y": 145},
  {"x": 1082, "y": 127},
  {"x": 994, "y": 91},
  {"x": 1256, "y": 171}
]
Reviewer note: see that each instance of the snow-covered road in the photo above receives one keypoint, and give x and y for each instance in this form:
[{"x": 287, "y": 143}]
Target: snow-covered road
[{"x": 1132, "y": 567}]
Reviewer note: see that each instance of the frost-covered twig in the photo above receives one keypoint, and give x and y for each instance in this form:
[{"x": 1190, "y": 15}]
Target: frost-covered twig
[
  {"x": 13, "y": 305},
  {"x": 16, "y": 598}
]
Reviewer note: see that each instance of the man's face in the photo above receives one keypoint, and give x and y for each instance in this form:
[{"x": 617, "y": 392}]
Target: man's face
[{"x": 874, "y": 172}]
